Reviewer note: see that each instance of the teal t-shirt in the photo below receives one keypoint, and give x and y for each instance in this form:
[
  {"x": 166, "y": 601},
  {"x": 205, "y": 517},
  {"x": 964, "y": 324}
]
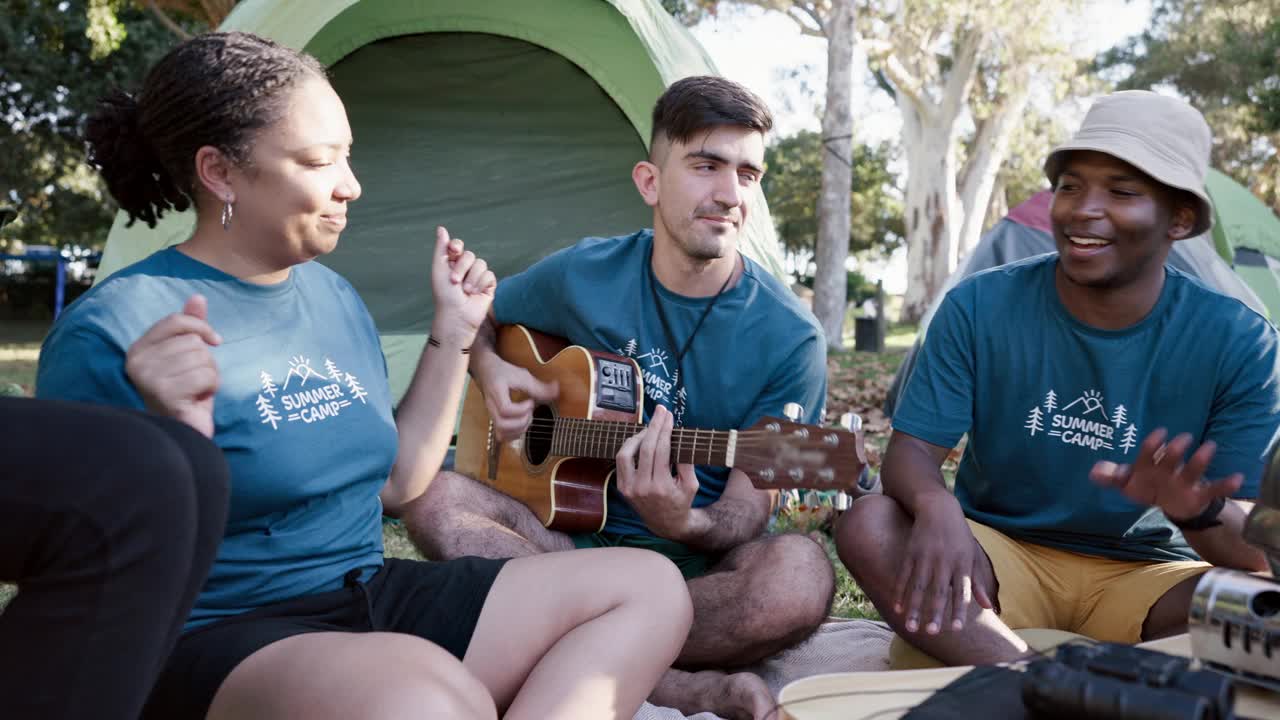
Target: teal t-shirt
[
  {"x": 757, "y": 350},
  {"x": 1043, "y": 397},
  {"x": 302, "y": 414}
]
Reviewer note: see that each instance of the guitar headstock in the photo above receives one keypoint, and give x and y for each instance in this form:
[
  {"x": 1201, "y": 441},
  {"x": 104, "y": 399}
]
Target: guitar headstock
[{"x": 776, "y": 453}]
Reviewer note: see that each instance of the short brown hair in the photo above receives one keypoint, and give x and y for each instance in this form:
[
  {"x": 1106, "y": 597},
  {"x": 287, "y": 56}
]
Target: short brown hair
[{"x": 702, "y": 102}]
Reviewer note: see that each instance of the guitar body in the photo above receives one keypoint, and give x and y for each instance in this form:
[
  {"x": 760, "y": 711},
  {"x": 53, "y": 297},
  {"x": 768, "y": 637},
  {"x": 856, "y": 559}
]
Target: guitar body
[{"x": 565, "y": 493}]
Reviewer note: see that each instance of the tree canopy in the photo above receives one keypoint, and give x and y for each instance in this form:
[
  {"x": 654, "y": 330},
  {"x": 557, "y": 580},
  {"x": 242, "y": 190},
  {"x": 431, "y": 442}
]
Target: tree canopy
[
  {"x": 56, "y": 60},
  {"x": 793, "y": 182},
  {"x": 1224, "y": 56}
]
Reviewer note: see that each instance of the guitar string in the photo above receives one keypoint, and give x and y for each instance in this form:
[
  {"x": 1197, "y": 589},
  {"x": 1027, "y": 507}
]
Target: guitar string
[
  {"x": 686, "y": 442},
  {"x": 575, "y": 444},
  {"x": 627, "y": 433},
  {"x": 609, "y": 426},
  {"x": 619, "y": 423},
  {"x": 616, "y": 437},
  {"x": 583, "y": 423},
  {"x": 578, "y": 434},
  {"x": 569, "y": 435},
  {"x": 749, "y": 441}
]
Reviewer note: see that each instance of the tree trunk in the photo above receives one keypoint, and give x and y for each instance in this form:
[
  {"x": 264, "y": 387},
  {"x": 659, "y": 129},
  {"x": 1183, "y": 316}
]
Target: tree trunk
[
  {"x": 830, "y": 286},
  {"x": 933, "y": 209},
  {"x": 998, "y": 206},
  {"x": 931, "y": 204},
  {"x": 989, "y": 150}
]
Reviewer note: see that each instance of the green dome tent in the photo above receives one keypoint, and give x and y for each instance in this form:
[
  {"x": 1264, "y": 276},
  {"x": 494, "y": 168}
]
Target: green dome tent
[
  {"x": 1247, "y": 234},
  {"x": 514, "y": 123}
]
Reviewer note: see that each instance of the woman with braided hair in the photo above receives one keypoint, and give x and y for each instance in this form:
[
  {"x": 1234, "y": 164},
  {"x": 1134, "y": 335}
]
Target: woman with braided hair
[{"x": 276, "y": 359}]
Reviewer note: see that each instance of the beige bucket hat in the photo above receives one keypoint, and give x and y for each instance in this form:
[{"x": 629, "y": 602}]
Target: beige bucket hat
[{"x": 1162, "y": 136}]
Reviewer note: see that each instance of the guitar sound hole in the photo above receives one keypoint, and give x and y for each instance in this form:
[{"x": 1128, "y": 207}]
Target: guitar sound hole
[{"x": 537, "y": 445}]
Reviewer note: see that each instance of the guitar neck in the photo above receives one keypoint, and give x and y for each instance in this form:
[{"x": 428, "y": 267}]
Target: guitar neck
[{"x": 602, "y": 439}]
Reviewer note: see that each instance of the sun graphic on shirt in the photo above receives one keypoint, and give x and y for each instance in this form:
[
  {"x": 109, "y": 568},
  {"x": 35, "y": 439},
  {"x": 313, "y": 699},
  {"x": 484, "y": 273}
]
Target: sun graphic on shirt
[
  {"x": 656, "y": 357},
  {"x": 300, "y": 367},
  {"x": 1092, "y": 400}
]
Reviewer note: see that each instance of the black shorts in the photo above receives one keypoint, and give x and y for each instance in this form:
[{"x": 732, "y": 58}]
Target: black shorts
[{"x": 436, "y": 601}]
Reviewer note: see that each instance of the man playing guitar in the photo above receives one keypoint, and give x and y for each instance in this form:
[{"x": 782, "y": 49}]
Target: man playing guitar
[{"x": 675, "y": 299}]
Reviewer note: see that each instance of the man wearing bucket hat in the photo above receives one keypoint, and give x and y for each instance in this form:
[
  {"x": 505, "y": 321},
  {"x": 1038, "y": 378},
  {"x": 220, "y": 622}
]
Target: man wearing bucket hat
[{"x": 1114, "y": 408}]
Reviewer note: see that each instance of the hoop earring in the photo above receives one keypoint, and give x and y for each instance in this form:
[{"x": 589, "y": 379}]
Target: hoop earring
[{"x": 227, "y": 213}]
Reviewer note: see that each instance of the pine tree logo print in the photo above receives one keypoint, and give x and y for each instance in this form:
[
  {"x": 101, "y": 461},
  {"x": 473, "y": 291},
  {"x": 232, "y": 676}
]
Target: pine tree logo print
[
  {"x": 1035, "y": 421},
  {"x": 353, "y": 385},
  {"x": 267, "y": 412},
  {"x": 1130, "y": 439},
  {"x": 307, "y": 396},
  {"x": 1083, "y": 422}
]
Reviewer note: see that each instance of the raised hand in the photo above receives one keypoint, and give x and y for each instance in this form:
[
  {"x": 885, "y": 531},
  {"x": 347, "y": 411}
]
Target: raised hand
[
  {"x": 664, "y": 501},
  {"x": 173, "y": 368},
  {"x": 943, "y": 568},
  {"x": 1159, "y": 477},
  {"x": 463, "y": 287}
]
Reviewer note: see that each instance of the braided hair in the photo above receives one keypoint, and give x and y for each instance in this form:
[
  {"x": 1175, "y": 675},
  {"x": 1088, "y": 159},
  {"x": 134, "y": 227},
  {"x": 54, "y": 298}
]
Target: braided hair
[{"x": 217, "y": 89}]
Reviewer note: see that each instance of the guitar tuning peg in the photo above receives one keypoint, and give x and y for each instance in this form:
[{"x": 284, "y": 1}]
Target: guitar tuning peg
[
  {"x": 842, "y": 501},
  {"x": 851, "y": 421},
  {"x": 792, "y": 411}
]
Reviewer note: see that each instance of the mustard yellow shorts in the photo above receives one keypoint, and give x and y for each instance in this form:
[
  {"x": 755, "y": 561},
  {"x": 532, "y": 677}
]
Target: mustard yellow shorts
[{"x": 1044, "y": 587}]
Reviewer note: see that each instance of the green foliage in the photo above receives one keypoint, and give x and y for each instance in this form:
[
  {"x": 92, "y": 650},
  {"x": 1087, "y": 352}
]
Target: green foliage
[
  {"x": 1224, "y": 56},
  {"x": 857, "y": 287},
  {"x": 794, "y": 181},
  {"x": 105, "y": 31},
  {"x": 1215, "y": 53},
  {"x": 56, "y": 59}
]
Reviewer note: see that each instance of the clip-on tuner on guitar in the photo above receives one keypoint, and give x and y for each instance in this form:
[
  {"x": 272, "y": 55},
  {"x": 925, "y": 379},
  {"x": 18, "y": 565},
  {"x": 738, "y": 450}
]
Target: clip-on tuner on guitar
[
  {"x": 1235, "y": 617},
  {"x": 562, "y": 466}
]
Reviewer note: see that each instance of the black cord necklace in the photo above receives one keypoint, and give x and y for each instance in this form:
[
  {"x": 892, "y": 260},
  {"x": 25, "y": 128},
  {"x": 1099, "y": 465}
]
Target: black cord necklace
[{"x": 666, "y": 327}]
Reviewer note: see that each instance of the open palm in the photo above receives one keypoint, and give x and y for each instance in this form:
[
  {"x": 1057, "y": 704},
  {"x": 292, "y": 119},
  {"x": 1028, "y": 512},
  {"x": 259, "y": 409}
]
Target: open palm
[{"x": 1160, "y": 478}]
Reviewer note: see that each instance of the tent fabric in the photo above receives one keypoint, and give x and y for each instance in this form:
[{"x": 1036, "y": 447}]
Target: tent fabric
[
  {"x": 1246, "y": 233},
  {"x": 1241, "y": 220},
  {"x": 1024, "y": 233},
  {"x": 510, "y": 184},
  {"x": 514, "y": 123},
  {"x": 1262, "y": 272}
]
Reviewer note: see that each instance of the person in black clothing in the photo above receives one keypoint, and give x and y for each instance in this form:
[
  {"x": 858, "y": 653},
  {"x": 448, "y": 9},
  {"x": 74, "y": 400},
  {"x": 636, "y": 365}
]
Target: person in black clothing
[{"x": 109, "y": 522}]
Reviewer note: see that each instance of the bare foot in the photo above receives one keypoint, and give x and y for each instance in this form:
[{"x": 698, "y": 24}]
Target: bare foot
[{"x": 740, "y": 696}]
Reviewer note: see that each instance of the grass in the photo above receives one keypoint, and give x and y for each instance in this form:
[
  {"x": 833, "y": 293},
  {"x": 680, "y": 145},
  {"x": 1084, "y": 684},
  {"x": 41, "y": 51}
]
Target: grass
[
  {"x": 19, "y": 349},
  {"x": 857, "y": 382}
]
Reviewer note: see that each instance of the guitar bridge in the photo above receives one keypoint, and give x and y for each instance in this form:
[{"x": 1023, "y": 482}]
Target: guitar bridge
[{"x": 491, "y": 445}]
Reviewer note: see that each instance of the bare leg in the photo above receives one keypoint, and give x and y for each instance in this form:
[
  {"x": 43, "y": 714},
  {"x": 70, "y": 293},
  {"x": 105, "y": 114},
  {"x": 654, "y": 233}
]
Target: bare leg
[
  {"x": 579, "y": 635},
  {"x": 761, "y": 598},
  {"x": 1168, "y": 616},
  {"x": 736, "y": 696},
  {"x": 871, "y": 539},
  {"x": 458, "y": 516},
  {"x": 385, "y": 676}
]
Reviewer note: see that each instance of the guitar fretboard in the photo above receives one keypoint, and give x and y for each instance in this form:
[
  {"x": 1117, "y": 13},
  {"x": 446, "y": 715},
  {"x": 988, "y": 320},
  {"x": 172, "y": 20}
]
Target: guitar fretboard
[{"x": 602, "y": 439}]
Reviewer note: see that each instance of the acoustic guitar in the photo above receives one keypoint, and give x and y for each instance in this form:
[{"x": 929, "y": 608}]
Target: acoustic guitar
[{"x": 562, "y": 465}]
